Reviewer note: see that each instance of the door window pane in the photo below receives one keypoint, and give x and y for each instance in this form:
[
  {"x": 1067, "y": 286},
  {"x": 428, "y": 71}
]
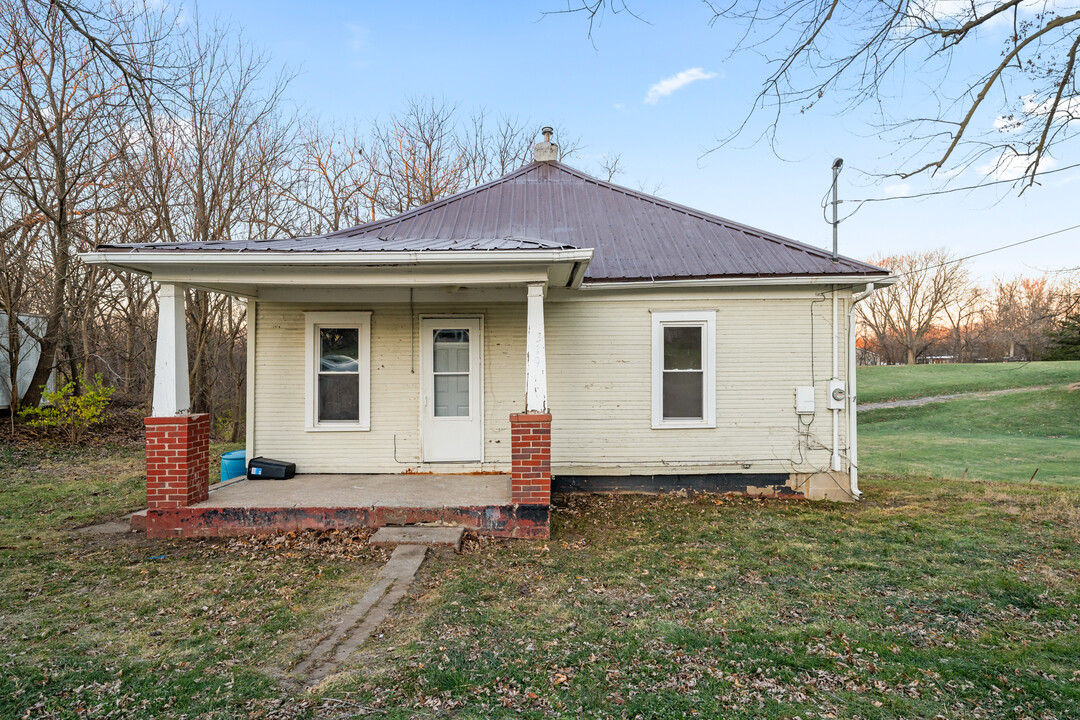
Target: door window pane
[
  {"x": 451, "y": 351},
  {"x": 682, "y": 348},
  {"x": 452, "y": 395},
  {"x": 339, "y": 397},
  {"x": 339, "y": 350},
  {"x": 683, "y": 396}
]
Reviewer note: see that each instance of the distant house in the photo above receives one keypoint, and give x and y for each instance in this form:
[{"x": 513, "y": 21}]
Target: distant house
[
  {"x": 26, "y": 352},
  {"x": 545, "y": 330},
  {"x": 864, "y": 355},
  {"x": 936, "y": 359}
]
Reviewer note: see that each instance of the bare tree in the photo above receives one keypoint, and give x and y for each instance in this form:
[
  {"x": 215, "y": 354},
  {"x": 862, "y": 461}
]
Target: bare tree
[
  {"x": 1020, "y": 104},
  {"x": 962, "y": 312},
  {"x": 333, "y": 180},
  {"x": 907, "y": 311},
  {"x": 609, "y": 166},
  {"x": 493, "y": 153},
  {"x": 421, "y": 157},
  {"x": 1021, "y": 313},
  {"x": 873, "y": 316},
  {"x": 207, "y": 167},
  {"x": 59, "y": 160}
]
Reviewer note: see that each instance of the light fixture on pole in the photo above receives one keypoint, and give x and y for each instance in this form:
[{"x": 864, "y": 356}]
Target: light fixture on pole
[{"x": 838, "y": 163}]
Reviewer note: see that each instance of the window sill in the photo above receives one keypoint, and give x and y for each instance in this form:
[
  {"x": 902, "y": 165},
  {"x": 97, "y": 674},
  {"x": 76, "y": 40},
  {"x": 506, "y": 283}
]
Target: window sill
[
  {"x": 338, "y": 428},
  {"x": 676, "y": 425}
]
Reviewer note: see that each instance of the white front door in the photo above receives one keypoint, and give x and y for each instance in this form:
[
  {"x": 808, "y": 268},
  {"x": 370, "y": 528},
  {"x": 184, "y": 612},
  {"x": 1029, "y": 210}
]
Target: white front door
[{"x": 451, "y": 414}]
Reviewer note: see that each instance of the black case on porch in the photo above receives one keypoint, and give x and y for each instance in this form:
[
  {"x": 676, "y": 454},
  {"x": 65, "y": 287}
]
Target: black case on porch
[{"x": 261, "y": 468}]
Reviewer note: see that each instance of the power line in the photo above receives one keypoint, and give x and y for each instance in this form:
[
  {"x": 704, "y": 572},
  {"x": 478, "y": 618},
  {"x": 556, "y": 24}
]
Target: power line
[
  {"x": 946, "y": 191},
  {"x": 852, "y": 286},
  {"x": 992, "y": 250}
]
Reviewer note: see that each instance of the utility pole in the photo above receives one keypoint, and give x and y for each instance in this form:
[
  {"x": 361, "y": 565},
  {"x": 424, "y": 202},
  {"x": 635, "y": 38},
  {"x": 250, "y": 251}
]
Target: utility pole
[
  {"x": 834, "y": 383},
  {"x": 837, "y": 164}
]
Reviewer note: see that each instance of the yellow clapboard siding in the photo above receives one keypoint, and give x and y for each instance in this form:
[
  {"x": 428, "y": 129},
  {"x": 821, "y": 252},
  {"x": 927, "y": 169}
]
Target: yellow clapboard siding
[{"x": 599, "y": 385}]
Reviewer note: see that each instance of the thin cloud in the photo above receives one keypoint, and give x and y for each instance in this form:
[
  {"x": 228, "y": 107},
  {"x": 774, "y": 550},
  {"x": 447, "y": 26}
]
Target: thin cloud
[
  {"x": 670, "y": 84},
  {"x": 359, "y": 45}
]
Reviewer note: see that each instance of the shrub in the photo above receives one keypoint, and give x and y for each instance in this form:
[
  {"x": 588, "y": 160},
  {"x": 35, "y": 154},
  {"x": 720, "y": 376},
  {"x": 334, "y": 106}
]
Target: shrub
[
  {"x": 69, "y": 412},
  {"x": 1065, "y": 343}
]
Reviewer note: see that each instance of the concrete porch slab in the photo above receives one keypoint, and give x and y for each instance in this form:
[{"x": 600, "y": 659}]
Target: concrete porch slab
[
  {"x": 419, "y": 535},
  {"x": 482, "y": 503},
  {"x": 363, "y": 491}
]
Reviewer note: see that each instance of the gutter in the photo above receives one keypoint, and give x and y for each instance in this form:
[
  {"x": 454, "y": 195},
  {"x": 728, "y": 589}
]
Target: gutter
[
  {"x": 120, "y": 258},
  {"x": 737, "y": 282},
  {"x": 853, "y": 398}
]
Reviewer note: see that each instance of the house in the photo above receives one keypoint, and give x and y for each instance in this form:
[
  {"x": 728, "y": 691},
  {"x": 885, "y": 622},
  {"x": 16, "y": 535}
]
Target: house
[
  {"x": 547, "y": 330},
  {"x": 20, "y": 350}
]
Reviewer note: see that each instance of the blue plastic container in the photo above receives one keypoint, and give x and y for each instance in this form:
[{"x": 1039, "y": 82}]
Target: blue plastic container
[{"x": 233, "y": 464}]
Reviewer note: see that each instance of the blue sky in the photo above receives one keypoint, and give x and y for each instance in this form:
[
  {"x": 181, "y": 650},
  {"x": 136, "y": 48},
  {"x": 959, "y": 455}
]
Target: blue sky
[{"x": 360, "y": 60}]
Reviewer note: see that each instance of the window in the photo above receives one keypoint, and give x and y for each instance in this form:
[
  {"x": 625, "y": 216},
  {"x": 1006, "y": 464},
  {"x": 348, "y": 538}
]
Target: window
[
  {"x": 684, "y": 368},
  {"x": 338, "y": 348},
  {"x": 450, "y": 370}
]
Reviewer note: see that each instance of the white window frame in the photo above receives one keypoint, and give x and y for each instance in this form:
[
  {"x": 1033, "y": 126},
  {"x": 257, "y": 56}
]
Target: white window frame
[
  {"x": 313, "y": 321},
  {"x": 705, "y": 319}
]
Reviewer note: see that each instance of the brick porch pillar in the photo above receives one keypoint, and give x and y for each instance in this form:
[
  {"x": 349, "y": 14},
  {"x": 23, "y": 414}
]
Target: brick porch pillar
[
  {"x": 177, "y": 461},
  {"x": 530, "y": 467}
]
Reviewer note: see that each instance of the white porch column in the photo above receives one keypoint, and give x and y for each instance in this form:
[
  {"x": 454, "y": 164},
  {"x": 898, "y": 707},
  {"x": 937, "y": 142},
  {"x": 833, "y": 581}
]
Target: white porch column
[
  {"x": 171, "y": 395},
  {"x": 535, "y": 354}
]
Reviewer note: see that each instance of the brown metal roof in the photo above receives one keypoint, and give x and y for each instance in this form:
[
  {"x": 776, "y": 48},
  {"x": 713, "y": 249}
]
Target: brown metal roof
[{"x": 548, "y": 205}]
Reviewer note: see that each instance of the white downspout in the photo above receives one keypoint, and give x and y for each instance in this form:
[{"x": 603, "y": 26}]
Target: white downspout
[
  {"x": 852, "y": 396},
  {"x": 835, "y": 376}
]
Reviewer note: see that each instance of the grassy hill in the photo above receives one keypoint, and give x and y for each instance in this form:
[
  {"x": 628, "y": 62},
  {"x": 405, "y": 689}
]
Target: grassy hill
[
  {"x": 1004, "y": 437},
  {"x": 901, "y": 382}
]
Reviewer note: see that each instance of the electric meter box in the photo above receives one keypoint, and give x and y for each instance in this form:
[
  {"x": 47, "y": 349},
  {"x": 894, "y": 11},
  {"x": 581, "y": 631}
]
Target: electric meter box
[
  {"x": 804, "y": 400},
  {"x": 837, "y": 395}
]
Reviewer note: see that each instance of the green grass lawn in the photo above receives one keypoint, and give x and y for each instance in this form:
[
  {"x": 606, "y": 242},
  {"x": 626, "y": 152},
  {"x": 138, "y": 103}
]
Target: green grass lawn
[
  {"x": 931, "y": 597},
  {"x": 878, "y": 383},
  {"x": 1003, "y": 437},
  {"x": 928, "y": 599},
  {"x": 121, "y": 626}
]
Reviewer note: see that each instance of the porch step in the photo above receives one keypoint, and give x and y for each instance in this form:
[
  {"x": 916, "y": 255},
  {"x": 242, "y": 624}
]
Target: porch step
[
  {"x": 138, "y": 520},
  {"x": 419, "y": 535}
]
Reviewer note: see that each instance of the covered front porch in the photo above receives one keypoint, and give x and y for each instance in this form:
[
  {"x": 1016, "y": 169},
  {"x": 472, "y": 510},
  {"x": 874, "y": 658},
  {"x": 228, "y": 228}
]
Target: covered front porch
[{"x": 344, "y": 379}]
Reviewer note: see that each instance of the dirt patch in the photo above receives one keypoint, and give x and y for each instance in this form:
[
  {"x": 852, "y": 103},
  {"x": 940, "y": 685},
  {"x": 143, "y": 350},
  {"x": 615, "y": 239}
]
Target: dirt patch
[
  {"x": 1074, "y": 387},
  {"x": 345, "y": 544},
  {"x": 916, "y": 402}
]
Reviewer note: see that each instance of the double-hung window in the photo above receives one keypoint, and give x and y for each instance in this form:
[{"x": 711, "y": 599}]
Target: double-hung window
[
  {"x": 683, "y": 368},
  {"x": 338, "y": 383}
]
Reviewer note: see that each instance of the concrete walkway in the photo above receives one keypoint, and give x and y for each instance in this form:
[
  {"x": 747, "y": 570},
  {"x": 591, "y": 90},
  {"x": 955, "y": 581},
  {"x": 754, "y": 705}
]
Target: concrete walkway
[
  {"x": 360, "y": 621},
  {"x": 916, "y": 402}
]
